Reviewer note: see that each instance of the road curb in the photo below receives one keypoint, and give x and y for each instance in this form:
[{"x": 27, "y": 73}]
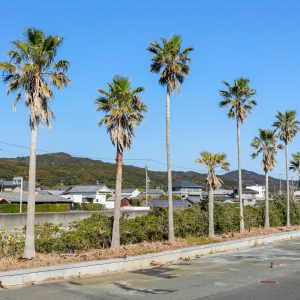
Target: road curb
[{"x": 36, "y": 275}]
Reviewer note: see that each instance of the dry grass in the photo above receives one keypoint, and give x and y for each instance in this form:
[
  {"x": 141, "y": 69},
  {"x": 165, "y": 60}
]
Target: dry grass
[{"x": 41, "y": 259}]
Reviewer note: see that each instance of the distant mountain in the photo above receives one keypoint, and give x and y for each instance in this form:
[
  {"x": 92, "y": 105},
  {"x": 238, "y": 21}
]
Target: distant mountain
[{"x": 62, "y": 169}]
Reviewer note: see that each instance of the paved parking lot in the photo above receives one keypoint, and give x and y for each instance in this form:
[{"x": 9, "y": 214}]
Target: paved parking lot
[{"x": 268, "y": 272}]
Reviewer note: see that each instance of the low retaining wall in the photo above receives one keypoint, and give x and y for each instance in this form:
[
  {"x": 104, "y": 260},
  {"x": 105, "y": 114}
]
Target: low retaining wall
[
  {"x": 36, "y": 275},
  {"x": 11, "y": 221}
]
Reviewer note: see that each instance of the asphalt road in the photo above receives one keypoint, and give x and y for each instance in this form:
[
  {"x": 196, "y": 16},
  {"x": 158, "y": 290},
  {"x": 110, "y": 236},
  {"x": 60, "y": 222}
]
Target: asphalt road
[{"x": 228, "y": 277}]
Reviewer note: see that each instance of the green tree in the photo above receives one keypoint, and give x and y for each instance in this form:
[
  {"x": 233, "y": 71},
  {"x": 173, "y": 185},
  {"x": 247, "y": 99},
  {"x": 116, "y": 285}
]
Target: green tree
[
  {"x": 295, "y": 164},
  {"x": 32, "y": 72},
  {"x": 239, "y": 100},
  {"x": 172, "y": 64},
  {"x": 212, "y": 161},
  {"x": 123, "y": 110},
  {"x": 266, "y": 144},
  {"x": 287, "y": 127}
]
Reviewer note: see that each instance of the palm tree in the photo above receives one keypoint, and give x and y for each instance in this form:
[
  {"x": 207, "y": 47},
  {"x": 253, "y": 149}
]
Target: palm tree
[
  {"x": 172, "y": 64},
  {"x": 239, "y": 100},
  {"x": 295, "y": 164},
  {"x": 32, "y": 72},
  {"x": 123, "y": 110},
  {"x": 266, "y": 143},
  {"x": 212, "y": 161},
  {"x": 287, "y": 127}
]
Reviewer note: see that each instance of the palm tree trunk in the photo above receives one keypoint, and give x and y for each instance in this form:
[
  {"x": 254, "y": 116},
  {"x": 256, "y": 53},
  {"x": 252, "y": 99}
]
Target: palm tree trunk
[
  {"x": 29, "y": 249},
  {"x": 115, "y": 242},
  {"x": 211, "y": 231},
  {"x": 267, "y": 217},
  {"x": 242, "y": 224},
  {"x": 288, "y": 224},
  {"x": 170, "y": 197}
]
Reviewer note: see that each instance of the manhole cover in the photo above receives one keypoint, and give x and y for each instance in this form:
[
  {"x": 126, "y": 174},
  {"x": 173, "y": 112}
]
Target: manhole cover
[{"x": 269, "y": 282}]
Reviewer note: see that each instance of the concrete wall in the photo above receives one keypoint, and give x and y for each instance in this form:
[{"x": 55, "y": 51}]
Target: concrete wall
[{"x": 13, "y": 221}]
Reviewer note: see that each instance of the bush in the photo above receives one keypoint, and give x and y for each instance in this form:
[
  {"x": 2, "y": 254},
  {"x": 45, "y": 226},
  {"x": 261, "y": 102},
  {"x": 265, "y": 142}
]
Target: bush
[
  {"x": 51, "y": 207},
  {"x": 11, "y": 244},
  {"x": 226, "y": 217},
  {"x": 92, "y": 206},
  {"x": 95, "y": 232}
]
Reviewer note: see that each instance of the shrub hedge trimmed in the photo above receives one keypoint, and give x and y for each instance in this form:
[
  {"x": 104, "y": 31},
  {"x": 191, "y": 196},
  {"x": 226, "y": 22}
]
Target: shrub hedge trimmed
[
  {"x": 92, "y": 206},
  {"x": 51, "y": 207},
  {"x": 95, "y": 231}
]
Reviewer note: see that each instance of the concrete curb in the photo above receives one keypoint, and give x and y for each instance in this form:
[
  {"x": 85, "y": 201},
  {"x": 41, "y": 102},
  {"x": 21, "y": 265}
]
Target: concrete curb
[{"x": 36, "y": 275}]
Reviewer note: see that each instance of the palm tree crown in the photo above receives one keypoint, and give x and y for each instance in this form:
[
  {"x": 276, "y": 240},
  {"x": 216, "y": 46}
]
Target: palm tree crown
[
  {"x": 172, "y": 61},
  {"x": 266, "y": 143},
  {"x": 287, "y": 125},
  {"x": 295, "y": 162},
  {"x": 213, "y": 161},
  {"x": 124, "y": 111},
  {"x": 238, "y": 98},
  {"x": 32, "y": 71}
]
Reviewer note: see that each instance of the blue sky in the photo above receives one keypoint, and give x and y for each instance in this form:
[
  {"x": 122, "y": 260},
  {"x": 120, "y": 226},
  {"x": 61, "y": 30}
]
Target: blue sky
[{"x": 256, "y": 39}]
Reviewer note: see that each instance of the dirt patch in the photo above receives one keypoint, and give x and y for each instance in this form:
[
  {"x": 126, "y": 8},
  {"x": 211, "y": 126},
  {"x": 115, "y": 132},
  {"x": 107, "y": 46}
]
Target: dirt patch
[{"x": 10, "y": 263}]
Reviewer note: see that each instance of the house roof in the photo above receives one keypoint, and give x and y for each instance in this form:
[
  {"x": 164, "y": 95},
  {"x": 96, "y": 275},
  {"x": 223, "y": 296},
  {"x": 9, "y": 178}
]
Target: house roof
[
  {"x": 165, "y": 203},
  {"x": 13, "y": 184},
  {"x": 156, "y": 192},
  {"x": 39, "y": 198},
  {"x": 193, "y": 199},
  {"x": 186, "y": 184},
  {"x": 245, "y": 191},
  {"x": 128, "y": 191},
  {"x": 84, "y": 189},
  {"x": 54, "y": 192}
]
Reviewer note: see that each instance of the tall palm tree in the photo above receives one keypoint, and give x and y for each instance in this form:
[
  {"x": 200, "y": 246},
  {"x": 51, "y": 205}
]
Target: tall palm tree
[
  {"x": 123, "y": 110},
  {"x": 212, "y": 161},
  {"x": 32, "y": 72},
  {"x": 172, "y": 64},
  {"x": 266, "y": 144},
  {"x": 295, "y": 165},
  {"x": 239, "y": 100},
  {"x": 287, "y": 127}
]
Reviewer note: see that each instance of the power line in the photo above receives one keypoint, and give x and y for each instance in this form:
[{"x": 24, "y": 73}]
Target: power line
[{"x": 106, "y": 158}]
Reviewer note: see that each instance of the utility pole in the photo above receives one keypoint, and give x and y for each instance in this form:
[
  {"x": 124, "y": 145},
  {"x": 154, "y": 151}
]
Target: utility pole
[
  {"x": 147, "y": 181},
  {"x": 280, "y": 183},
  {"x": 20, "y": 179}
]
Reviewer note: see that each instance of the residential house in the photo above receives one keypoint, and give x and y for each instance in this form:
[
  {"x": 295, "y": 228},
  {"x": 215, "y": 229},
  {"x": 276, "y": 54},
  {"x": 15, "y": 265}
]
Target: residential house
[
  {"x": 260, "y": 189},
  {"x": 248, "y": 196},
  {"x": 41, "y": 198},
  {"x": 13, "y": 186},
  {"x": 130, "y": 193},
  {"x": 88, "y": 193},
  {"x": 185, "y": 188}
]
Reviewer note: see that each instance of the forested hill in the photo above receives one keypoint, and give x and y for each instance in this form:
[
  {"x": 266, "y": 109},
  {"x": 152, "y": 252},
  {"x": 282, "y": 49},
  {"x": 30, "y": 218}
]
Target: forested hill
[{"x": 57, "y": 169}]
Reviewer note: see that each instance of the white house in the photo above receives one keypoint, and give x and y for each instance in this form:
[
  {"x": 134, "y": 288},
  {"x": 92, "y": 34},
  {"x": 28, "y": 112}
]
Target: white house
[
  {"x": 260, "y": 189},
  {"x": 88, "y": 193},
  {"x": 130, "y": 193}
]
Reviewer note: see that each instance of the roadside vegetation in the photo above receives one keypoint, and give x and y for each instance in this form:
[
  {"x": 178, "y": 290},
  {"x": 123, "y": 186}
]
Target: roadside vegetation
[{"x": 191, "y": 224}]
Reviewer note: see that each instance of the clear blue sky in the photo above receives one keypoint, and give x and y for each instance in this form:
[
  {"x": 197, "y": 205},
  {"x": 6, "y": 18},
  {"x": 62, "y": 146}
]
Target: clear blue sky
[{"x": 256, "y": 39}]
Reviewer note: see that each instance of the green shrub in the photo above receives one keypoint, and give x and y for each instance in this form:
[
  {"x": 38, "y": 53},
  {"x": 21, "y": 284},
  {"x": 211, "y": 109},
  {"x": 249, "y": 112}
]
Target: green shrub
[
  {"x": 51, "y": 207},
  {"x": 92, "y": 206},
  {"x": 11, "y": 244},
  {"x": 191, "y": 221},
  {"x": 95, "y": 232},
  {"x": 226, "y": 217}
]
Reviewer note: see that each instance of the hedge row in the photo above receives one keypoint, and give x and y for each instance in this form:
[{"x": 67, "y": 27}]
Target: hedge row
[
  {"x": 15, "y": 207},
  {"x": 95, "y": 232}
]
